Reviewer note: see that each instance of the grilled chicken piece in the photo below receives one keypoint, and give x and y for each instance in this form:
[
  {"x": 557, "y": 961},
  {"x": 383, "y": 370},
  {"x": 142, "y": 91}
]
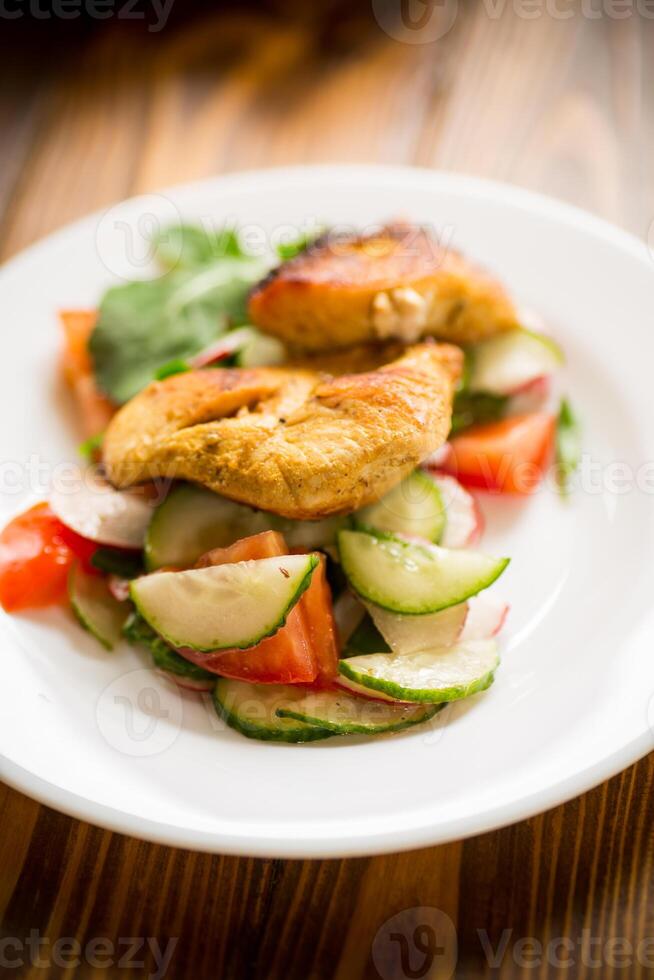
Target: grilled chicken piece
[
  {"x": 398, "y": 284},
  {"x": 292, "y": 442}
]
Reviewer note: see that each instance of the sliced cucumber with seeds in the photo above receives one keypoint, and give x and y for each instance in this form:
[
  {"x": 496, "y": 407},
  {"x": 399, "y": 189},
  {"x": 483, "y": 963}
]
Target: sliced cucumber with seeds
[
  {"x": 505, "y": 363},
  {"x": 345, "y": 714},
  {"x": 252, "y": 710},
  {"x": 223, "y": 606},
  {"x": 429, "y": 676},
  {"x": 192, "y": 521},
  {"x": 95, "y": 607},
  {"x": 410, "y": 634},
  {"x": 413, "y": 579},
  {"x": 414, "y": 507}
]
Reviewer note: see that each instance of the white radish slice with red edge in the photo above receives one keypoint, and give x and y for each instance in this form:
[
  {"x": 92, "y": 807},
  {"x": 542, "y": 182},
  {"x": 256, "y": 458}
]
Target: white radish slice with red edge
[
  {"x": 486, "y": 617},
  {"x": 412, "y": 634},
  {"x": 505, "y": 363},
  {"x": 532, "y": 397},
  {"x": 94, "y": 509},
  {"x": 226, "y": 346},
  {"x": 463, "y": 520}
]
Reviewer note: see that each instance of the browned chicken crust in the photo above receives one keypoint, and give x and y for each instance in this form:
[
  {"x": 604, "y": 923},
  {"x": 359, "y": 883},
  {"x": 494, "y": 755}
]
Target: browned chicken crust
[
  {"x": 289, "y": 441},
  {"x": 396, "y": 284}
]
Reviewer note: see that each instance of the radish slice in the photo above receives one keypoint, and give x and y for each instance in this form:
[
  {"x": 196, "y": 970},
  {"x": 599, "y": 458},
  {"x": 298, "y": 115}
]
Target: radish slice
[
  {"x": 93, "y": 509},
  {"x": 503, "y": 364},
  {"x": 226, "y": 346},
  {"x": 119, "y": 587},
  {"x": 531, "y": 397},
  {"x": 463, "y": 520},
  {"x": 411, "y": 634},
  {"x": 486, "y": 617}
]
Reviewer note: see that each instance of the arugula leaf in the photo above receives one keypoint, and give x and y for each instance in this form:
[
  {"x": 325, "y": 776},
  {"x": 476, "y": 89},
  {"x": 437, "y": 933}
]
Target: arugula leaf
[
  {"x": 144, "y": 325},
  {"x": 476, "y": 408},
  {"x": 115, "y": 562},
  {"x": 189, "y": 246},
  {"x": 568, "y": 446},
  {"x": 140, "y": 633}
]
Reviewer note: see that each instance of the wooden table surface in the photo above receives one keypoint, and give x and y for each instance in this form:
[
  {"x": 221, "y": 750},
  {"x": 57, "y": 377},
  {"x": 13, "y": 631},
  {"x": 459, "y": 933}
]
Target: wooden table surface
[{"x": 92, "y": 111}]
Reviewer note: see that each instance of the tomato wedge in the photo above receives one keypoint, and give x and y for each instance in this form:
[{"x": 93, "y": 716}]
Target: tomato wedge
[
  {"x": 316, "y": 604},
  {"x": 510, "y": 456},
  {"x": 36, "y": 554},
  {"x": 95, "y": 410},
  {"x": 287, "y": 657}
]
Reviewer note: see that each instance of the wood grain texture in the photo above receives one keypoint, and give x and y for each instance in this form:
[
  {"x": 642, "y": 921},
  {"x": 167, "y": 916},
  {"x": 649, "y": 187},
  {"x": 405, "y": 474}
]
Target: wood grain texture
[{"x": 93, "y": 111}]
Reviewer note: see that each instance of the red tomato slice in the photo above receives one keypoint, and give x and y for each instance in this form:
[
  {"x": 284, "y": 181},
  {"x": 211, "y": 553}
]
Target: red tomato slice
[
  {"x": 268, "y": 544},
  {"x": 510, "y": 456},
  {"x": 36, "y": 553},
  {"x": 285, "y": 658},
  {"x": 316, "y": 604}
]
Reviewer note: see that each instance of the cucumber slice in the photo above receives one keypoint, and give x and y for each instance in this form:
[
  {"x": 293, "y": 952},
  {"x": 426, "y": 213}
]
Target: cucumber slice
[
  {"x": 411, "y": 634},
  {"x": 139, "y": 633},
  {"x": 506, "y": 362},
  {"x": 343, "y": 714},
  {"x": 413, "y": 579},
  {"x": 223, "y": 607},
  {"x": 252, "y": 710},
  {"x": 95, "y": 607},
  {"x": 192, "y": 521},
  {"x": 430, "y": 676},
  {"x": 414, "y": 507}
]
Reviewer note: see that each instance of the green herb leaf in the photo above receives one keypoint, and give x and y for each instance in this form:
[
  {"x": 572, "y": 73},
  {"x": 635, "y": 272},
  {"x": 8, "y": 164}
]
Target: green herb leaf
[
  {"x": 189, "y": 246},
  {"x": 178, "y": 366},
  {"x": 288, "y": 250},
  {"x": 115, "y": 562},
  {"x": 143, "y": 326},
  {"x": 476, "y": 408},
  {"x": 91, "y": 447},
  {"x": 568, "y": 446},
  {"x": 140, "y": 633}
]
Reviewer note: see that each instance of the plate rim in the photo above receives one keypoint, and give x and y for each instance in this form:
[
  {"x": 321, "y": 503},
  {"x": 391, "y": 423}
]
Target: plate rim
[{"x": 320, "y": 846}]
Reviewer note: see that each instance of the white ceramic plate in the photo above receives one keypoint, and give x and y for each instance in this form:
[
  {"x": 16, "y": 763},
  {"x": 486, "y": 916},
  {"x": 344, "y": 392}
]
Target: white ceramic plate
[{"x": 95, "y": 735}]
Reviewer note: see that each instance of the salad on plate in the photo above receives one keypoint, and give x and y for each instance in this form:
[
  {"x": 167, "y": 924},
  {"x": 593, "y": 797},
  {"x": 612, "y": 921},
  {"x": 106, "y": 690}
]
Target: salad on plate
[{"x": 277, "y": 505}]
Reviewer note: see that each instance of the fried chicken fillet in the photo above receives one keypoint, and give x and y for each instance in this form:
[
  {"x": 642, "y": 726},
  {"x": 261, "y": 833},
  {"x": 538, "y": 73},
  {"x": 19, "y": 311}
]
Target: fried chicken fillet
[
  {"x": 398, "y": 284},
  {"x": 291, "y": 441}
]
